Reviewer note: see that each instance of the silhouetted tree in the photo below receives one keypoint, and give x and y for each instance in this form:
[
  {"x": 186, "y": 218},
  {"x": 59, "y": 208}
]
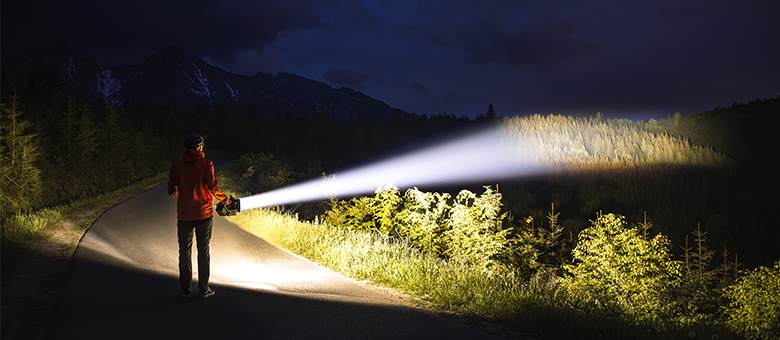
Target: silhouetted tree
[{"x": 20, "y": 179}]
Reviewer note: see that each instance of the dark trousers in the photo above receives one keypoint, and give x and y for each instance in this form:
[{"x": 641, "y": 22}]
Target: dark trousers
[{"x": 202, "y": 230}]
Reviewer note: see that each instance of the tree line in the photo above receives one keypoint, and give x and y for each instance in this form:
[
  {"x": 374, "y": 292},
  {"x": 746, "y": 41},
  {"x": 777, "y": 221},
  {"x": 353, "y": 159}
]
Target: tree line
[{"x": 57, "y": 148}]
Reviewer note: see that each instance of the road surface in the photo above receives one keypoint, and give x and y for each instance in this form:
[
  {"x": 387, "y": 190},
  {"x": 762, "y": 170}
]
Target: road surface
[{"x": 123, "y": 282}]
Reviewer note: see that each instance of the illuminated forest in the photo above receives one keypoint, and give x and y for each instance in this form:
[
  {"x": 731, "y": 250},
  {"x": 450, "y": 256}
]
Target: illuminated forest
[{"x": 700, "y": 189}]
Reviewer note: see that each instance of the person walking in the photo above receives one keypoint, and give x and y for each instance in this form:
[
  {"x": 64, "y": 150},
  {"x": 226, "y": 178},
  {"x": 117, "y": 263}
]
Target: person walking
[{"x": 192, "y": 180}]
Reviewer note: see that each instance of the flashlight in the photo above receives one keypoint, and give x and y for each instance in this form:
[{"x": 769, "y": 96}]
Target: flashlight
[{"x": 229, "y": 209}]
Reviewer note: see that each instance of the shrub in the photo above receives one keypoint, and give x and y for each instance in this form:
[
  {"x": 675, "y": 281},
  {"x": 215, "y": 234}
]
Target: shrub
[
  {"x": 254, "y": 173},
  {"x": 475, "y": 233},
  {"x": 617, "y": 269},
  {"x": 754, "y": 308},
  {"x": 422, "y": 221}
]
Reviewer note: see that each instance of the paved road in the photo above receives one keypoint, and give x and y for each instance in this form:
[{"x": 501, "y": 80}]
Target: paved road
[{"x": 122, "y": 284}]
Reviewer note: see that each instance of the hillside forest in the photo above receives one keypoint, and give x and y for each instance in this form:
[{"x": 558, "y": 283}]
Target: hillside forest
[{"x": 702, "y": 186}]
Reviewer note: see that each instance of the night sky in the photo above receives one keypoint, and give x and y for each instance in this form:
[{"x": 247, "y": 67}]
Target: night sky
[{"x": 637, "y": 58}]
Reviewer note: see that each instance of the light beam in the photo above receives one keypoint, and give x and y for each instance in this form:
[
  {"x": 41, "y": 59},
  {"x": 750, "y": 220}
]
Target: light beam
[{"x": 480, "y": 156}]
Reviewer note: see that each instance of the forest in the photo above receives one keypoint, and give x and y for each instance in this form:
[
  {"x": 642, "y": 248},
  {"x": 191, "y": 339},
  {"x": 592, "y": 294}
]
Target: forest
[{"x": 699, "y": 189}]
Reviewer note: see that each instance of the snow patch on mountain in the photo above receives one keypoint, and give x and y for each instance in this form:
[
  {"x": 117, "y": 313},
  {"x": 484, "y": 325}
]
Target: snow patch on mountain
[
  {"x": 107, "y": 86},
  {"x": 139, "y": 73},
  {"x": 69, "y": 68},
  {"x": 233, "y": 94},
  {"x": 200, "y": 83}
]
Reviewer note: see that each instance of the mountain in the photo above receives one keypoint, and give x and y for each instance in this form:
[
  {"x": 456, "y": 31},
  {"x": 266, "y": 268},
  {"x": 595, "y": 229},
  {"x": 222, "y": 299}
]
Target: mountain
[
  {"x": 80, "y": 75},
  {"x": 174, "y": 77}
]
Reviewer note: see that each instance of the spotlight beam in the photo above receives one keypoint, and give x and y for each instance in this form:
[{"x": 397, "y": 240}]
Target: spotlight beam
[{"x": 481, "y": 156}]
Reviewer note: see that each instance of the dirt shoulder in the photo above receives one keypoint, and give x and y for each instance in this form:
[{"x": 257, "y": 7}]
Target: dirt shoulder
[{"x": 33, "y": 276}]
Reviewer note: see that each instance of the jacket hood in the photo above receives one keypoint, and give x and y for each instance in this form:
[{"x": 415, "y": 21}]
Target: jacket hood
[{"x": 192, "y": 155}]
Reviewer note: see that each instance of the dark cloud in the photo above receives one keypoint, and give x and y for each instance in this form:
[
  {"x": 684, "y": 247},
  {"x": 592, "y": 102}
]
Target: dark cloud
[
  {"x": 405, "y": 29},
  {"x": 351, "y": 12},
  {"x": 419, "y": 88},
  {"x": 125, "y": 32},
  {"x": 433, "y": 56},
  {"x": 348, "y": 78},
  {"x": 485, "y": 39},
  {"x": 500, "y": 32},
  {"x": 673, "y": 15}
]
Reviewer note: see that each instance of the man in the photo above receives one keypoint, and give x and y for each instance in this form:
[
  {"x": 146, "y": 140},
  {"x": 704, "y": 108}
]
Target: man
[{"x": 192, "y": 180}]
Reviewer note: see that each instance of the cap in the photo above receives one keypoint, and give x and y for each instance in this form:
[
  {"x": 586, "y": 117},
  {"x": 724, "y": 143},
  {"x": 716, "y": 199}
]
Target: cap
[{"x": 192, "y": 140}]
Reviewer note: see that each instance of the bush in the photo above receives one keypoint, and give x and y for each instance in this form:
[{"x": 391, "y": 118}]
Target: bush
[
  {"x": 470, "y": 231},
  {"x": 617, "y": 269},
  {"x": 422, "y": 221},
  {"x": 474, "y": 229},
  {"x": 255, "y": 173},
  {"x": 754, "y": 310}
]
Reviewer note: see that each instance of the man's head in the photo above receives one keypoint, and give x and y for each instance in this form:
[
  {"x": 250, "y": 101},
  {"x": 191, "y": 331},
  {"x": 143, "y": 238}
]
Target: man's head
[{"x": 193, "y": 141}]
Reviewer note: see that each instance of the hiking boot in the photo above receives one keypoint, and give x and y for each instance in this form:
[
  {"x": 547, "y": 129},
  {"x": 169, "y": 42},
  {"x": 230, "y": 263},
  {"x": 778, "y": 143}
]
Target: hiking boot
[{"x": 206, "y": 293}]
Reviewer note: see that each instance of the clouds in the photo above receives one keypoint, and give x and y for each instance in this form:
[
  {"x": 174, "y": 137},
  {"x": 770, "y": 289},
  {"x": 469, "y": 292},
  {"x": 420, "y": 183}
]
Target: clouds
[
  {"x": 506, "y": 32},
  {"x": 485, "y": 40},
  {"x": 124, "y": 31},
  {"x": 457, "y": 56}
]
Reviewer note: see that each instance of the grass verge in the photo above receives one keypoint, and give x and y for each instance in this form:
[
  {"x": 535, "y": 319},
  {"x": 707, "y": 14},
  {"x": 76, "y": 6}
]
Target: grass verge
[
  {"x": 538, "y": 308},
  {"x": 24, "y": 229}
]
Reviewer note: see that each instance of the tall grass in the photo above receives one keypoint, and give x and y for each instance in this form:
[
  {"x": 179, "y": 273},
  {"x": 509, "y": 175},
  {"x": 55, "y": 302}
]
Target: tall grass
[
  {"x": 539, "y": 305},
  {"x": 23, "y": 229}
]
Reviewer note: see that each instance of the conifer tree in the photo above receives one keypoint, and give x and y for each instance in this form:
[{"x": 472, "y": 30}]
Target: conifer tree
[
  {"x": 616, "y": 268},
  {"x": 20, "y": 152},
  {"x": 114, "y": 145},
  {"x": 67, "y": 129},
  {"x": 86, "y": 149}
]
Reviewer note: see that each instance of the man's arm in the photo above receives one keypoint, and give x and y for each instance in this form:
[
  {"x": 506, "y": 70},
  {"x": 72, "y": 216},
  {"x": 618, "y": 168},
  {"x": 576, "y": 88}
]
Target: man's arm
[
  {"x": 214, "y": 186},
  {"x": 173, "y": 179}
]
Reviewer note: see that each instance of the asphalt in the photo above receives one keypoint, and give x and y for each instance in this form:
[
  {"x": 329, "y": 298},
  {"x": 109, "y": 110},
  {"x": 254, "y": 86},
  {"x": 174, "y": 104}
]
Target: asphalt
[{"x": 122, "y": 283}]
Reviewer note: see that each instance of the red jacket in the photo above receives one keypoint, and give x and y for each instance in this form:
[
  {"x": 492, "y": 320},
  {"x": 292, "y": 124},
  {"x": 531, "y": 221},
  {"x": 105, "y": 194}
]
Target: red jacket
[{"x": 192, "y": 179}]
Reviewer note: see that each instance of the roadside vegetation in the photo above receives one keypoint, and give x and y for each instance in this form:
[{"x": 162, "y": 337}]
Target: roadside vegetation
[
  {"x": 658, "y": 229},
  {"x": 607, "y": 276},
  {"x": 617, "y": 283}
]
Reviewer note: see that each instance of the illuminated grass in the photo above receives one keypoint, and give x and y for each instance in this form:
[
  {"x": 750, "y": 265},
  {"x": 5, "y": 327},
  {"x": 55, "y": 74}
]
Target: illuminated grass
[{"x": 536, "y": 306}]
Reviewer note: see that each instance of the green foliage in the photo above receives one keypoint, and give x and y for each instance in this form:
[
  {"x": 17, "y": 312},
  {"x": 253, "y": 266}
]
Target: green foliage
[
  {"x": 754, "y": 308},
  {"x": 422, "y": 222},
  {"x": 19, "y": 154},
  {"x": 469, "y": 231},
  {"x": 617, "y": 269},
  {"x": 356, "y": 213},
  {"x": 378, "y": 213},
  {"x": 535, "y": 248},
  {"x": 255, "y": 173},
  {"x": 694, "y": 297},
  {"x": 385, "y": 207},
  {"x": 56, "y": 149},
  {"x": 114, "y": 146},
  {"x": 474, "y": 229}
]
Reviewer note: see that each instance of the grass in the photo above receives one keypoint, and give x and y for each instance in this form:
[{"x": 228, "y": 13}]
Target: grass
[
  {"x": 537, "y": 306},
  {"x": 25, "y": 228}
]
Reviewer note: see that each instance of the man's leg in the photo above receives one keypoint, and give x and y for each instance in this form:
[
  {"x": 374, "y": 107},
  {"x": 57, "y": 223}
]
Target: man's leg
[
  {"x": 185, "y": 256},
  {"x": 203, "y": 236}
]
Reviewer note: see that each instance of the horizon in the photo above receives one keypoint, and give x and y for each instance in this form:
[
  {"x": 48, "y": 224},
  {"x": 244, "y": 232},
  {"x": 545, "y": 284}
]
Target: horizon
[
  {"x": 644, "y": 116},
  {"x": 448, "y": 56}
]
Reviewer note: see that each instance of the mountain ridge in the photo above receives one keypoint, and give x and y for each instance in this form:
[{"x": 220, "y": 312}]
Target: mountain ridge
[{"x": 174, "y": 78}]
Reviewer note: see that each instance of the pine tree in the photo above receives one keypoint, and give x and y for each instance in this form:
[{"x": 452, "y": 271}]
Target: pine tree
[
  {"x": 114, "y": 145},
  {"x": 491, "y": 114},
  {"x": 20, "y": 180},
  {"x": 616, "y": 268},
  {"x": 86, "y": 148},
  {"x": 67, "y": 129}
]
